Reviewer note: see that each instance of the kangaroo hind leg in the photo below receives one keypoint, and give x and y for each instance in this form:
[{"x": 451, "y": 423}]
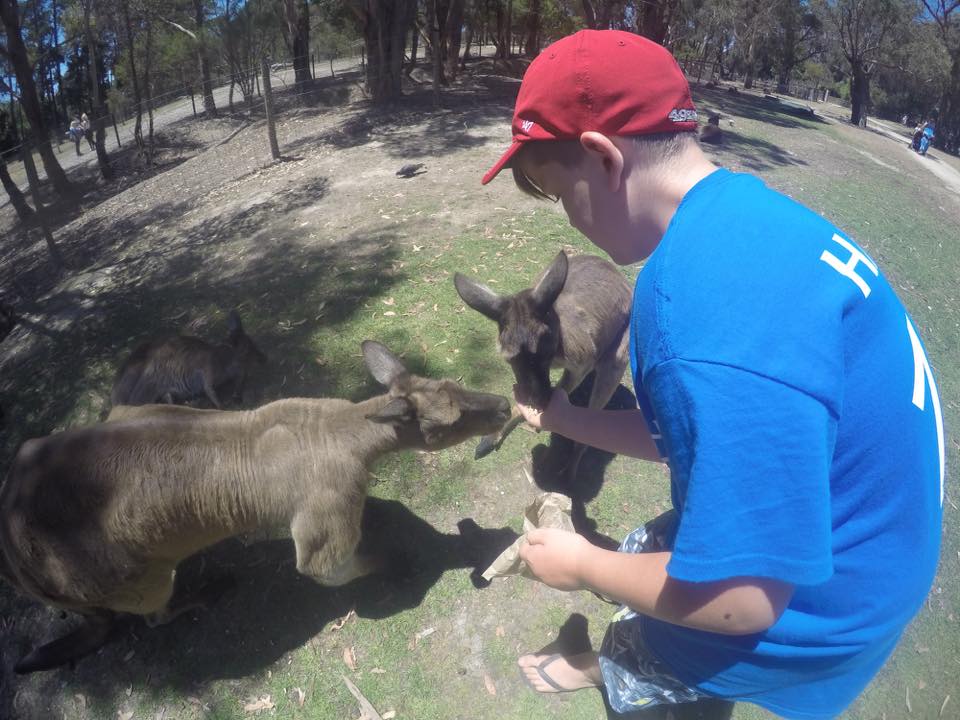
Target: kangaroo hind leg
[{"x": 330, "y": 556}]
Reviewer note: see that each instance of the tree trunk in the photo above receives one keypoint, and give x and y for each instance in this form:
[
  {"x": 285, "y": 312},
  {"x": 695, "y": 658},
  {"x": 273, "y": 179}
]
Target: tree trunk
[
  {"x": 589, "y": 14},
  {"x": 296, "y": 14},
  {"x": 134, "y": 80},
  {"x": 18, "y": 57},
  {"x": 748, "y": 73},
  {"x": 414, "y": 44},
  {"x": 148, "y": 89},
  {"x": 859, "y": 95},
  {"x": 532, "y": 44},
  {"x": 466, "y": 46},
  {"x": 454, "y": 37},
  {"x": 502, "y": 36},
  {"x": 57, "y": 70},
  {"x": 433, "y": 28},
  {"x": 19, "y": 202},
  {"x": 948, "y": 124},
  {"x": 99, "y": 107},
  {"x": 385, "y": 24},
  {"x": 206, "y": 85}
]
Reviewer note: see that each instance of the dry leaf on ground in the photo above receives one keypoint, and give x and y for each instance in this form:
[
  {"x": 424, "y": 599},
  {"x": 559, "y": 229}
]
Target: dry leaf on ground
[
  {"x": 488, "y": 682},
  {"x": 300, "y": 695},
  {"x": 349, "y": 658},
  {"x": 261, "y": 703},
  {"x": 121, "y": 715}
]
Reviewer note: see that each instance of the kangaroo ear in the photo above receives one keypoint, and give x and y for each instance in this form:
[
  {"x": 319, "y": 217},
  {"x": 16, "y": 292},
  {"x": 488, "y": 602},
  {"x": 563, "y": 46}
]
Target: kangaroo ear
[
  {"x": 480, "y": 297},
  {"x": 396, "y": 411},
  {"x": 550, "y": 284},
  {"x": 382, "y": 364}
]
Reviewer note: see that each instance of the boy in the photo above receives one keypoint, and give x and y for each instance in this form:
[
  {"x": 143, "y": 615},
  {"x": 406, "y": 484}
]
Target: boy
[{"x": 778, "y": 376}]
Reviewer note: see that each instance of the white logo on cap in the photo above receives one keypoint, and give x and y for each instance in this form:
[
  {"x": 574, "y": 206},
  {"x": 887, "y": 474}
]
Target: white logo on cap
[
  {"x": 683, "y": 115},
  {"x": 525, "y": 125}
]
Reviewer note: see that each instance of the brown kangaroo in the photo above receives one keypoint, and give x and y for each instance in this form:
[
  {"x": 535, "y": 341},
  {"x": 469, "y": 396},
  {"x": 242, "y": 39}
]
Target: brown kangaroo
[
  {"x": 96, "y": 519},
  {"x": 181, "y": 367},
  {"x": 575, "y": 316}
]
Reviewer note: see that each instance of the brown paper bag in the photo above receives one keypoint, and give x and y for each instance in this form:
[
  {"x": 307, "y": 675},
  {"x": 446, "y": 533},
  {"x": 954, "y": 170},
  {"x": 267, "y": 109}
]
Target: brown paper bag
[{"x": 548, "y": 510}]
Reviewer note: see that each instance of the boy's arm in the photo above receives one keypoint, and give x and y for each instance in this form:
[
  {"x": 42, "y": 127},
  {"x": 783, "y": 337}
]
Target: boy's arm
[
  {"x": 738, "y": 606},
  {"x": 623, "y": 432}
]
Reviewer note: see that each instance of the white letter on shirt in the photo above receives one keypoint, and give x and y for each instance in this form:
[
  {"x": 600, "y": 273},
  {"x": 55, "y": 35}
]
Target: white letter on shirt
[
  {"x": 849, "y": 268},
  {"x": 922, "y": 376}
]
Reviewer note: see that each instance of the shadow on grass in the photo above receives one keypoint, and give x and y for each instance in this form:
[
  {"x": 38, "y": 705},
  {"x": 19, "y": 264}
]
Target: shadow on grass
[
  {"x": 414, "y": 128},
  {"x": 785, "y": 114},
  {"x": 756, "y": 154},
  {"x": 47, "y": 372},
  {"x": 270, "y": 611}
]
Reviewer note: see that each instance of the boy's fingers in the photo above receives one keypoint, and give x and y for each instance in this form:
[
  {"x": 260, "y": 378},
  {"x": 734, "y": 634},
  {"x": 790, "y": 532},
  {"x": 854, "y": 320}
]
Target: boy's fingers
[{"x": 535, "y": 536}]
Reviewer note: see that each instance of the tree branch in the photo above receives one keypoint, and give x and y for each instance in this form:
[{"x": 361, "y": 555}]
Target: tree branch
[{"x": 179, "y": 27}]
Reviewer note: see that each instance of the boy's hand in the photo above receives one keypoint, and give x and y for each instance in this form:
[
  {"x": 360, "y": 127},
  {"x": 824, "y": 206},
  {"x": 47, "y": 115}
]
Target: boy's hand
[
  {"x": 555, "y": 557},
  {"x": 543, "y": 418}
]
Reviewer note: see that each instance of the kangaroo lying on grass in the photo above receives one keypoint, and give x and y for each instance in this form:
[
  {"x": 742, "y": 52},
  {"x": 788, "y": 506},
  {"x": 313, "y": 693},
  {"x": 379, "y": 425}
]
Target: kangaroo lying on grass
[
  {"x": 96, "y": 519},
  {"x": 180, "y": 368},
  {"x": 575, "y": 316}
]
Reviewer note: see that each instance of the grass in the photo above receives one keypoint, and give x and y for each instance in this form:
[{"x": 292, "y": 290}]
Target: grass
[{"x": 314, "y": 307}]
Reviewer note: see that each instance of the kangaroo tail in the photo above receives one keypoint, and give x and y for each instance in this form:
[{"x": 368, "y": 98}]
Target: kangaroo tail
[{"x": 84, "y": 640}]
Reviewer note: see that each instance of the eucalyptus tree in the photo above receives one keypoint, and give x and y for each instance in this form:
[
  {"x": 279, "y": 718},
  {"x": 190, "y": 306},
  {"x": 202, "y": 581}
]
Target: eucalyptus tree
[
  {"x": 384, "y": 24},
  {"x": 866, "y": 32},
  {"x": 14, "y": 52}
]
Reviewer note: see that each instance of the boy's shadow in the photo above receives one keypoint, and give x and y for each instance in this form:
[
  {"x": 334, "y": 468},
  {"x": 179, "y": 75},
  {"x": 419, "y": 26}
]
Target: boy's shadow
[{"x": 550, "y": 462}]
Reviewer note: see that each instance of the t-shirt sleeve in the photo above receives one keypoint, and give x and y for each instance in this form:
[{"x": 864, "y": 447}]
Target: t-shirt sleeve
[{"x": 752, "y": 458}]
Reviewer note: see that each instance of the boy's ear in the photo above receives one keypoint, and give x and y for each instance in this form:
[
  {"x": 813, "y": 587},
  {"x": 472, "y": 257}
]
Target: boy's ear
[{"x": 603, "y": 148}]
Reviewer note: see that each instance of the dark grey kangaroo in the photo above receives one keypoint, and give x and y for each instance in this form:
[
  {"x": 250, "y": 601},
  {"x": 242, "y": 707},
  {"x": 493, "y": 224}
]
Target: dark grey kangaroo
[
  {"x": 575, "y": 316},
  {"x": 179, "y": 368}
]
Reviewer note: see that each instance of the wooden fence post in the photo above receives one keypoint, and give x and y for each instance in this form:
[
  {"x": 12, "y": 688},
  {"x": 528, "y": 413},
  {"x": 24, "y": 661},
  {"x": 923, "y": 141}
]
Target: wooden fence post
[{"x": 268, "y": 105}]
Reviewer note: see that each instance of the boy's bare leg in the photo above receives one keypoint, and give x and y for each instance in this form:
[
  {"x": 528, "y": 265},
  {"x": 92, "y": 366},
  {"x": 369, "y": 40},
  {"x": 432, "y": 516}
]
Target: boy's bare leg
[{"x": 553, "y": 672}]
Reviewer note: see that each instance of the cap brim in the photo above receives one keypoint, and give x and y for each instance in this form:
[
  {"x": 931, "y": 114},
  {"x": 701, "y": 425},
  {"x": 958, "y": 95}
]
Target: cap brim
[{"x": 504, "y": 159}]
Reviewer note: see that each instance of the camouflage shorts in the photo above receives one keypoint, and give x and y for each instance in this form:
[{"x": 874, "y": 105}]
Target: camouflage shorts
[{"x": 634, "y": 678}]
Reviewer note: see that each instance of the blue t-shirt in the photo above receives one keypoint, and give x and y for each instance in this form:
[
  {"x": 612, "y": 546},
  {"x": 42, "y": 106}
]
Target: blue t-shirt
[{"x": 788, "y": 390}]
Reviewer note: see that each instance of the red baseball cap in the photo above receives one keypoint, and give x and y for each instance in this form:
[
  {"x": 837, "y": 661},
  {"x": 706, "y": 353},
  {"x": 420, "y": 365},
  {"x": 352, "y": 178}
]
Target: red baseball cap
[{"x": 609, "y": 81}]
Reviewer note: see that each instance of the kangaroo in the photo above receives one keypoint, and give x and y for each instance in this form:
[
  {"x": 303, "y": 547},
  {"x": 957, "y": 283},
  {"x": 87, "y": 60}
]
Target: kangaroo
[
  {"x": 96, "y": 519},
  {"x": 181, "y": 367},
  {"x": 575, "y": 316}
]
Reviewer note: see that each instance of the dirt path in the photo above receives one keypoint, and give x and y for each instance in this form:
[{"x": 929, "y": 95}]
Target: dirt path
[
  {"x": 948, "y": 175},
  {"x": 163, "y": 116}
]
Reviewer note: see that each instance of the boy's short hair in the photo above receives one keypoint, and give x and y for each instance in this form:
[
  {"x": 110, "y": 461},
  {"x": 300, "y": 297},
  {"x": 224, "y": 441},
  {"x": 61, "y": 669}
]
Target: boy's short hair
[
  {"x": 608, "y": 81},
  {"x": 656, "y": 148}
]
